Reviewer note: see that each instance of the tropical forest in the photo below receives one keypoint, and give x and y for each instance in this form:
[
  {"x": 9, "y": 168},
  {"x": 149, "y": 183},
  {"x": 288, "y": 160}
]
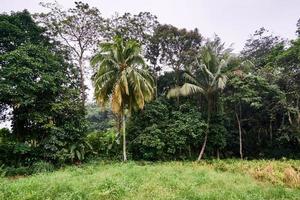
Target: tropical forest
[{"x": 129, "y": 107}]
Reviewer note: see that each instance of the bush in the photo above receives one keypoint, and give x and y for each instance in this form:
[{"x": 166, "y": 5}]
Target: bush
[
  {"x": 164, "y": 132},
  {"x": 18, "y": 171},
  {"x": 104, "y": 144},
  {"x": 2, "y": 171},
  {"x": 38, "y": 167},
  {"x": 42, "y": 166}
]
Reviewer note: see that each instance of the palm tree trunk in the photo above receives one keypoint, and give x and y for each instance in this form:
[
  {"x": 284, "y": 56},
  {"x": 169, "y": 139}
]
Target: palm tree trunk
[
  {"x": 124, "y": 137},
  {"x": 207, "y": 129}
]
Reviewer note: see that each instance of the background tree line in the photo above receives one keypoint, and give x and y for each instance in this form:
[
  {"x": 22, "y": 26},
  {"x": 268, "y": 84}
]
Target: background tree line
[{"x": 224, "y": 105}]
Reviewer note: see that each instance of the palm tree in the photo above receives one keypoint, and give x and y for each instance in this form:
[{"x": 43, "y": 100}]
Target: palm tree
[
  {"x": 122, "y": 77},
  {"x": 206, "y": 77}
]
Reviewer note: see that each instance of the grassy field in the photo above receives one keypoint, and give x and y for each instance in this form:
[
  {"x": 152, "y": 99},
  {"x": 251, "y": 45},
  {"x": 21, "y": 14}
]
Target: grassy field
[{"x": 226, "y": 180}]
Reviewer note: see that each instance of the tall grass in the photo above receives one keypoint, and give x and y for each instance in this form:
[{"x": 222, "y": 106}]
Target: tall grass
[{"x": 173, "y": 180}]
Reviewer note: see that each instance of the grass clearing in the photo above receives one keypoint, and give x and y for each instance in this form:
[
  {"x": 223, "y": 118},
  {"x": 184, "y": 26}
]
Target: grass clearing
[{"x": 228, "y": 179}]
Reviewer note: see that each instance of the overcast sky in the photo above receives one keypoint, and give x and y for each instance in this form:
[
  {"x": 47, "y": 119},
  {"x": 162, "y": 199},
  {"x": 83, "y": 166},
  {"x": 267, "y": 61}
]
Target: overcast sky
[{"x": 232, "y": 20}]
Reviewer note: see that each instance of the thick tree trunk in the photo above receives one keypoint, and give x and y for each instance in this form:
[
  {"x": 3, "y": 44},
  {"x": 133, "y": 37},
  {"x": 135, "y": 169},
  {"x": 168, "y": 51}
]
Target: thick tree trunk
[
  {"x": 19, "y": 129},
  {"x": 218, "y": 154},
  {"x": 240, "y": 135},
  {"x": 207, "y": 129},
  {"x": 18, "y": 124},
  {"x": 124, "y": 137}
]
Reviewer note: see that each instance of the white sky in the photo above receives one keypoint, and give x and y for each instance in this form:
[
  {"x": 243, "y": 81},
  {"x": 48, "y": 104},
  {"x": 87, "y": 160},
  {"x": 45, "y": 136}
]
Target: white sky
[{"x": 232, "y": 20}]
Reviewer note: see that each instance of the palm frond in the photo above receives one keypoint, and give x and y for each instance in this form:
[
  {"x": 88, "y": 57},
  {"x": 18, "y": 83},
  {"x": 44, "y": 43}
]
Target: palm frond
[
  {"x": 185, "y": 90},
  {"x": 116, "y": 99},
  {"x": 122, "y": 75},
  {"x": 190, "y": 89}
]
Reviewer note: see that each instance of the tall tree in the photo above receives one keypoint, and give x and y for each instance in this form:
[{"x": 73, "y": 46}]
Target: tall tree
[
  {"x": 298, "y": 27},
  {"x": 240, "y": 94},
  {"x": 40, "y": 86},
  {"x": 259, "y": 46},
  {"x": 207, "y": 77},
  {"x": 121, "y": 74},
  {"x": 19, "y": 28},
  {"x": 173, "y": 48},
  {"x": 79, "y": 29},
  {"x": 16, "y": 29},
  {"x": 139, "y": 27},
  {"x": 289, "y": 63}
]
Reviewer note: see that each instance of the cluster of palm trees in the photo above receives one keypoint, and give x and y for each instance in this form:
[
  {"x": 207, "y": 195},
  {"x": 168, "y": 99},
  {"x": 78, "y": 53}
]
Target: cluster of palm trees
[{"x": 123, "y": 79}]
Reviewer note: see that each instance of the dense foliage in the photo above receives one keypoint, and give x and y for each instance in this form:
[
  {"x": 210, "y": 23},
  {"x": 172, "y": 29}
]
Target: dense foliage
[
  {"x": 225, "y": 105},
  {"x": 162, "y": 133},
  {"x": 40, "y": 87}
]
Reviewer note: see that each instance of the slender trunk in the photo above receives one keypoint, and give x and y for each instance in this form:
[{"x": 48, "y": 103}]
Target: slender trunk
[
  {"x": 207, "y": 129},
  {"x": 203, "y": 147},
  {"x": 190, "y": 151},
  {"x": 298, "y": 112},
  {"x": 156, "y": 88},
  {"x": 240, "y": 135},
  {"x": 271, "y": 131},
  {"x": 290, "y": 118},
  {"x": 82, "y": 86},
  {"x": 124, "y": 137},
  {"x": 156, "y": 80},
  {"x": 218, "y": 153},
  {"x": 177, "y": 84}
]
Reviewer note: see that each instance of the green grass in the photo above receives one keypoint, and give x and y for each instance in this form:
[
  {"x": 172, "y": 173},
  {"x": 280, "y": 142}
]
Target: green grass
[{"x": 173, "y": 180}]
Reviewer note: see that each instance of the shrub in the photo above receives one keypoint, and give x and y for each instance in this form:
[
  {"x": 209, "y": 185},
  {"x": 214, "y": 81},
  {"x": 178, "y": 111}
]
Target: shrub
[
  {"x": 104, "y": 144},
  {"x": 291, "y": 177},
  {"x": 163, "y": 132},
  {"x": 18, "y": 171},
  {"x": 42, "y": 166},
  {"x": 2, "y": 171}
]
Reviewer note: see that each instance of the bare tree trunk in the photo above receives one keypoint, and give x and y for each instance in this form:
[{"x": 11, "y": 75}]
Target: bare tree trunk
[
  {"x": 271, "y": 131},
  {"x": 240, "y": 135},
  {"x": 203, "y": 147},
  {"x": 290, "y": 118},
  {"x": 156, "y": 88},
  {"x": 298, "y": 112},
  {"x": 190, "y": 151},
  {"x": 207, "y": 129},
  {"x": 177, "y": 84},
  {"x": 124, "y": 137},
  {"x": 82, "y": 86},
  {"x": 218, "y": 154},
  {"x": 155, "y": 81}
]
